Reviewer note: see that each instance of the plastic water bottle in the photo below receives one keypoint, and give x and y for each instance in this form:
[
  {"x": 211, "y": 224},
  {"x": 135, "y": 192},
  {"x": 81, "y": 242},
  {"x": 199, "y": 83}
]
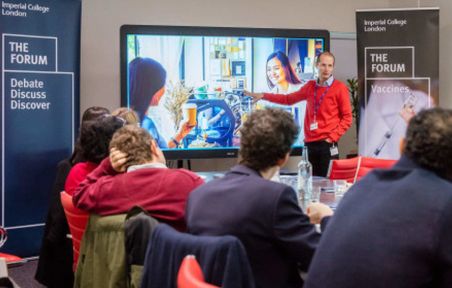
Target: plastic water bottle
[{"x": 304, "y": 179}]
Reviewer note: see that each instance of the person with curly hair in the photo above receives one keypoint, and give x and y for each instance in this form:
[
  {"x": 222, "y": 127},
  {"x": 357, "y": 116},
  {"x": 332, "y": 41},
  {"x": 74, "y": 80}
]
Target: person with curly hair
[
  {"x": 55, "y": 258},
  {"x": 95, "y": 137},
  {"x": 263, "y": 214},
  {"x": 135, "y": 174},
  {"x": 392, "y": 229}
]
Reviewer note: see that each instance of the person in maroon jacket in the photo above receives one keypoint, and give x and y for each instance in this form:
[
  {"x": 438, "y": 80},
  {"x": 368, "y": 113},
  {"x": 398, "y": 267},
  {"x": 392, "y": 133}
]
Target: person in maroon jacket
[
  {"x": 135, "y": 174},
  {"x": 328, "y": 112}
]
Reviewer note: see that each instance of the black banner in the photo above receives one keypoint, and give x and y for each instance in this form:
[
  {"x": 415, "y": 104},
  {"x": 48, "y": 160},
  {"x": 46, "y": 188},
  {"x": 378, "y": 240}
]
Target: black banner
[
  {"x": 398, "y": 72},
  {"x": 40, "y": 100}
]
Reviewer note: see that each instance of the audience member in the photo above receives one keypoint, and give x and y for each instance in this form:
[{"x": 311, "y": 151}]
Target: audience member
[
  {"x": 392, "y": 229},
  {"x": 55, "y": 258},
  {"x": 264, "y": 215},
  {"x": 95, "y": 137},
  {"x": 130, "y": 116},
  {"x": 148, "y": 182},
  {"x": 90, "y": 114}
]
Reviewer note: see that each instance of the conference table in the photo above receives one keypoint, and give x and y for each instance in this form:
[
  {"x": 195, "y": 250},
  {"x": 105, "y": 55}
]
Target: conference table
[{"x": 323, "y": 188}]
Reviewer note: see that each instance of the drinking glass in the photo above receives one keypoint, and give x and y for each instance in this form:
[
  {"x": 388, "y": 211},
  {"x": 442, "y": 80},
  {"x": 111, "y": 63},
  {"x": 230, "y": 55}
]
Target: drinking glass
[
  {"x": 290, "y": 180},
  {"x": 315, "y": 197},
  {"x": 340, "y": 187}
]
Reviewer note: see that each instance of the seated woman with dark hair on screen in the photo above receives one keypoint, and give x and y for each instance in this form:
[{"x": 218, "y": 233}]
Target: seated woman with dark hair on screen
[
  {"x": 147, "y": 79},
  {"x": 281, "y": 78}
]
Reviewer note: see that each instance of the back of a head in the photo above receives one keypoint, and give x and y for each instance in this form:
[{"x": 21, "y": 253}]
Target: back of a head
[
  {"x": 429, "y": 140},
  {"x": 134, "y": 141},
  {"x": 90, "y": 114},
  {"x": 146, "y": 77},
  {"x": 127, "y": 114},
  {"x": 94, "y": 112},
  {"x": 266, "y": 137},
  {"x": 95, "y": 137}
]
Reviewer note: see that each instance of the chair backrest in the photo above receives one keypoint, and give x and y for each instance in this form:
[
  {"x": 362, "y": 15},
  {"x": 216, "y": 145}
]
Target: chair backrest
[
  {"x": 102, "y": 261},
  {"x": 370, "y": 162},
  {"x": 190, "y": 274},
  {"x": 223, "y": 259},
  {"x": 77, "y": 220},
  {"x": 9, "y": 258},
  {"x": 138, "y": 228},
  {"x": 344, "y": 169},
  {"x": 362, "y": 171}
]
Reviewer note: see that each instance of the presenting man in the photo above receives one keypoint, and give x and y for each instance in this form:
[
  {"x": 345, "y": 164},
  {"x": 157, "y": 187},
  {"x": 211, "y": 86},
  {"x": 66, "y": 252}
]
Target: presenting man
[
  {"x": 147, "y": 181},
  {"x": 328, "y": 113},
  {"x": 263, "y": 214},
  {"x": 393, "y": 228}
]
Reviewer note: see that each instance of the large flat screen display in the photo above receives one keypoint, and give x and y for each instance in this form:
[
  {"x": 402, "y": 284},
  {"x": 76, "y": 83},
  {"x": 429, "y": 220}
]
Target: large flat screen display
[{"x": 186, "y": 83}]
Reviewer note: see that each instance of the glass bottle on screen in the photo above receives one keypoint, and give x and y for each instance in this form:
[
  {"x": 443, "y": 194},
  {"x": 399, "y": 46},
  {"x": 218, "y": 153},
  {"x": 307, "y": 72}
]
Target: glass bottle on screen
[
  {"x": 204, "y": 126},
  {"x": 304, "y": 179}
]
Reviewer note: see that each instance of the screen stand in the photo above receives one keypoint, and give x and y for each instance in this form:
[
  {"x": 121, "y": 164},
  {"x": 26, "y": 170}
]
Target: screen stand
[{"x": 180, "y": 164}]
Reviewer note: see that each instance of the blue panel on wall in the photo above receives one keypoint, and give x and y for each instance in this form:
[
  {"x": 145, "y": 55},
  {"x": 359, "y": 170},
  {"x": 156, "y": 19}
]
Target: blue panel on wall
[{"x": 39, "y": 109}]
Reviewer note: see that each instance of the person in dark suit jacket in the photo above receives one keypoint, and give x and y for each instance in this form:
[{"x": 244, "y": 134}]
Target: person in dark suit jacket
[
  {"x": 278, "y": 237},
  {"x": 393, "y": 228}
]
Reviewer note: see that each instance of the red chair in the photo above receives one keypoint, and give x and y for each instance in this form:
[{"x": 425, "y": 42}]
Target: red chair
[
  {"x": 77, "y": 220},
  {"x": 368, "y": 164},
  {"x": 362, "y": 171},
  {"x": 190, "y": 274},
  {"x": 11, "y": 260},
  {"x": 376, "y": 162},
  {"x": 344, "y": 169}
]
